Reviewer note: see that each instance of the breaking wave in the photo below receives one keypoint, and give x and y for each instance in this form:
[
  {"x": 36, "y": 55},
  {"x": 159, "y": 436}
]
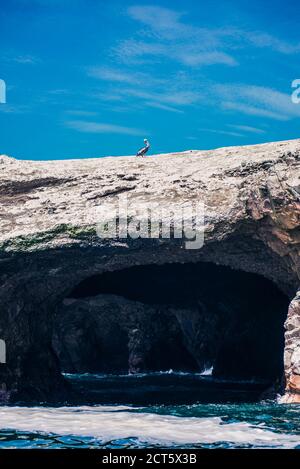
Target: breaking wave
[{"x": 124, "y": 426}]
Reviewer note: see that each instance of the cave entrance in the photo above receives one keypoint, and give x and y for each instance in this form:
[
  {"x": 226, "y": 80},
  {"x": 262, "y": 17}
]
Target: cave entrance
[{"x": 184, "y": 317}]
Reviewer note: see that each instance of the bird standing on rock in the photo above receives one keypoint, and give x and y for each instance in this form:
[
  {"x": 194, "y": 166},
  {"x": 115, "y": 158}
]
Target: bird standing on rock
[{"x": 144, "y": 150}]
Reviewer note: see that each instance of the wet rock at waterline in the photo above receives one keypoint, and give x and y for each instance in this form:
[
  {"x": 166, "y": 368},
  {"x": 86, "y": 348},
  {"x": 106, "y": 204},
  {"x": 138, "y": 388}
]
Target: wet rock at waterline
[
  {"x": 292, "y": 352},
  {"x": 49, "y": 246}
]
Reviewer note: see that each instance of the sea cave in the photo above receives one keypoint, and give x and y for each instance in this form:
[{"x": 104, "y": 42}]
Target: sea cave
[{"x": 187, "y": 318}]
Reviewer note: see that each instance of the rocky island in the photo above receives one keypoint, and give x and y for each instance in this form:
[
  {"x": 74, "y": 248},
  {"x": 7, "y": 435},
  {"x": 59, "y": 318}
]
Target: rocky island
[{"x": 73, "y": 302}]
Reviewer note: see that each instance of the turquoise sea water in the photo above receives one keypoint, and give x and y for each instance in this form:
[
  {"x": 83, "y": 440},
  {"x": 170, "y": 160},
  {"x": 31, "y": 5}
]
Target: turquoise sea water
[{"x": 194, "y": 425}]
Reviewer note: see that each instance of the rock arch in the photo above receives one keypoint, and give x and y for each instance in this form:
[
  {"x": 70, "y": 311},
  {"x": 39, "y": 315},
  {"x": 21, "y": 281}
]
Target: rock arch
[{"x": 49, "y": 243}]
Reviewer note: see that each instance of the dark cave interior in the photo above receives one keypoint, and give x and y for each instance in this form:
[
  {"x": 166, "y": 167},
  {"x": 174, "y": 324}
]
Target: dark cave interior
[{"x": 184, "y": 317}]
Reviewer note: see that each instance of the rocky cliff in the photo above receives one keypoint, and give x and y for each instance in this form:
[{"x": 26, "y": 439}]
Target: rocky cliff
[{"x": 49, "y": 246}]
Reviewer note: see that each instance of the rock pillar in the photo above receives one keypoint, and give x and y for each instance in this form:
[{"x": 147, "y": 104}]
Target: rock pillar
[{"x": 292, "y": 353}]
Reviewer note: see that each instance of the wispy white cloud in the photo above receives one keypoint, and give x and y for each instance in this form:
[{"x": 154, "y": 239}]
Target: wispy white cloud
[
  {"x": 163, "y": 107},
  {"x": 26, "y": 59},
  {"x": 204, "y": 58},
  {"x": 113, "y": 75},
  {"x": 132, "y": 51},
  {"x": 60, "y": 91},
  {"x": 252, "y": 110},
  {"x": 265, "y": 40},
  {"x": 128, "y": 77},
  {"x": 247, "y": 128},
  {"x": 78, "y": 112},
  {"x": 48, "y": 3},
  {"x": 111, "y": 95},
  {"x": 258, "y": 101},
  {"x": 102, "y": 128},
  {"x": 191, "y": 137},
  {"x": 168, "y": 94},
  {"x": 23, "y": 59},
  {"x": 171, "y": 35},
  {"x": 163, "y": 21},
  {"x": 173, "y": 93},
  {"x": 175, "y": 97},
  {"x": 222, "y": 132},
  {"x": 168, "y": 36},
  {"x": 14, "y": 109},
  {"x": 168, "y": 24}
]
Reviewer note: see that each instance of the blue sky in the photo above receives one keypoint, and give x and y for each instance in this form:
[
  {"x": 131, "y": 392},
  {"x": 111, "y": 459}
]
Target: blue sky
[{"x": 88, "y": 78}]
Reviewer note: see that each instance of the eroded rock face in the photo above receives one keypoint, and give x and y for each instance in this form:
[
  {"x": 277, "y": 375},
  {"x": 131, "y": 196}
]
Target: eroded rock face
[
  {"x": 49, "y": 243},
  {"x": 292, "y": 352},
  {"x": 109, "y": 334}
]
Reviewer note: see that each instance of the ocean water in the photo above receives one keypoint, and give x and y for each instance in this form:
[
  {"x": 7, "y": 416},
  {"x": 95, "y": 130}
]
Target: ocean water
[{"x": 165, "y": 425}]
